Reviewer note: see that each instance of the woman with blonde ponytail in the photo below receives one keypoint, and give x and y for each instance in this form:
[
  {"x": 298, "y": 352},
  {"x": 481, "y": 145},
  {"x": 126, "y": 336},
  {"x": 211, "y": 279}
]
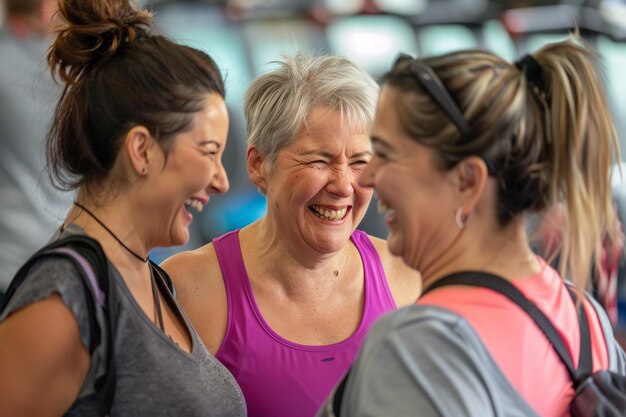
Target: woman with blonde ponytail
[
  {"x": 90, "y": 327},
  {"x": 466, "y": 144}
]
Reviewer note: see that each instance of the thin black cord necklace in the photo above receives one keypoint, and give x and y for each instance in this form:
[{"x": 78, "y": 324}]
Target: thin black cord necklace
[{"x": 142, "y": 259}]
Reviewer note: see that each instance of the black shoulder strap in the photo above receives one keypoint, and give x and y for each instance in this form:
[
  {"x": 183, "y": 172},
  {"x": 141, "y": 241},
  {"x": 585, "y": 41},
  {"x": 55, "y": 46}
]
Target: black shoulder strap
[
  {"x": 504, "y": 287},
  {"x": 339, "y": 392},
  {"x": 166, "y": 278},
  {"x": 585, "y": 362},
  {"x": 91, "y": 252}
]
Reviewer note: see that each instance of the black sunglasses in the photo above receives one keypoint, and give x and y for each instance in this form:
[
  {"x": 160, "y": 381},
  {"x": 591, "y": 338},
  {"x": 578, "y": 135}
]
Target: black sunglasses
[
  {"x": 431, "y": 83},
  {"x": 429, "y": 80}
]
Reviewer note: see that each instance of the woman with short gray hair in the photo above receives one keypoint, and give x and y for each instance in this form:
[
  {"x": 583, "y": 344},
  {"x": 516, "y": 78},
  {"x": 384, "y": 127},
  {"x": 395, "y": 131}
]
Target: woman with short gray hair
[{"x": 289, "y": 298}]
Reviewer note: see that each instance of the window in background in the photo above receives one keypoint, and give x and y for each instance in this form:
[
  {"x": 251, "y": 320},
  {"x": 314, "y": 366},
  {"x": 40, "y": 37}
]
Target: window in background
[{"x": 372, "y": 41}]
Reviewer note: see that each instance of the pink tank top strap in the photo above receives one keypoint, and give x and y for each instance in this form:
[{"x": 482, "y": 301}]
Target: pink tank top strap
[
  {"x": 377, "y": 293},
  {"x": 230, "y": 259}
]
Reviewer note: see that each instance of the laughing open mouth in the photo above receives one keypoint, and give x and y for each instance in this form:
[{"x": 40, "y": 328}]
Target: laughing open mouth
[
  {"x": 328, "y": 214},
  {"x": 194, "y": 204}
]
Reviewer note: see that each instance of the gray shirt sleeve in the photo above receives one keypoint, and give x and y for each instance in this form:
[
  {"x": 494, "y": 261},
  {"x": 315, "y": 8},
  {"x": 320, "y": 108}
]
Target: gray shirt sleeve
[
  {"x": 427, "y": 361},
  {"x": 59, "y": 275},
  {"x": 617, "y": 357}
]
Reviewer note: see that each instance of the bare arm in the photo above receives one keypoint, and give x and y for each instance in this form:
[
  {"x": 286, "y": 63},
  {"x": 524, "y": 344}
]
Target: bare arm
[
  {"x": 201, "y": 293},
  {"x": 43, "y": 362},
  {"x": 404, "y": 282}
]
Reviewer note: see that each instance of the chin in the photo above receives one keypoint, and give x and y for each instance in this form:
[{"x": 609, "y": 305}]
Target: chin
[
  {"x": 180, "y": 238},
  {"x": 394, "y": 243}
]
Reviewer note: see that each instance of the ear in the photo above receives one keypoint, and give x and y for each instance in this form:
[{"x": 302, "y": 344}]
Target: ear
[
  {"x": 256, "y": 171},
  {"x": 137, "y": 145},
  {"x": 470, "y": 176}
]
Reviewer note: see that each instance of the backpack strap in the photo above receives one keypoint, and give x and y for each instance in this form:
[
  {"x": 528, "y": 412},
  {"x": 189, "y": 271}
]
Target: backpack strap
[
  {"x": 90, "y": 261},
  {"x": 165, "y": 277},
  {"x": 504, "y": 287},
  {"x": 585, "y": 361},
  {"x": 339, "y": 393}
]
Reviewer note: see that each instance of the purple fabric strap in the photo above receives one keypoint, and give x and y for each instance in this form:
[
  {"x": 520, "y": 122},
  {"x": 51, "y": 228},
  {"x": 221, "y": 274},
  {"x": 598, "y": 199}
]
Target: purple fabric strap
[{"x": 88, "y": 271}]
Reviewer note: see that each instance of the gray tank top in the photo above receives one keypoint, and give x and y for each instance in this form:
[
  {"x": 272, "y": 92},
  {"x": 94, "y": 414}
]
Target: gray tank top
[{"x": 154, "y": 377}]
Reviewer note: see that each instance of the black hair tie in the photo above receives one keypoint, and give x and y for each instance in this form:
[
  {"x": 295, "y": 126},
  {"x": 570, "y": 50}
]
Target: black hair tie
[{"x": 532, "y": 71}]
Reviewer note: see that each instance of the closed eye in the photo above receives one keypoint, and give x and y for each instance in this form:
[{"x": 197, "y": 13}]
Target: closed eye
[
  {"x": 359, "y": 162},
  {"x": 210, "y": 148},
  {"x": 211, "y": 151},
  {"x": 380, "y": 154},
  {"x": 381, "y": 148}
]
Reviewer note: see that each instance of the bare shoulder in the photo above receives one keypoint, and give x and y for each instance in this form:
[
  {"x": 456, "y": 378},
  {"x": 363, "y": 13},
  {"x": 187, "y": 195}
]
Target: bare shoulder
[
  {"x": 200, "y": 291},
  {"x": 193, "y": 270},
  {"x": 404, "y": 282}
]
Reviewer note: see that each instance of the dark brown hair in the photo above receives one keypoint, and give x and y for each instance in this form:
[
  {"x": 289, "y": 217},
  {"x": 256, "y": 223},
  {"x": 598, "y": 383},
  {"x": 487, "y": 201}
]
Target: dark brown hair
[{"x": 118, "y": 74}]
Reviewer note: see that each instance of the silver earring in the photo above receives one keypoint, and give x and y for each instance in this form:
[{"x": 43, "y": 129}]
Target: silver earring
[
  {"x": 459, "y": 220},
  {"x": 144, "y": 171}
]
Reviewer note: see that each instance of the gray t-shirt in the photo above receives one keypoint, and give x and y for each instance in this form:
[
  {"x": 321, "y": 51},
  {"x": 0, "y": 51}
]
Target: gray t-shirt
[
  {"x": 428, "y": 361},
  {"x": 154, "y": 377}
]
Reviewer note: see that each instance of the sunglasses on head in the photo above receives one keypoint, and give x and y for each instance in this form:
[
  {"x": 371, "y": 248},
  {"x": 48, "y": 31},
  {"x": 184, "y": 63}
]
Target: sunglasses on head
[{"x": 431, "y": 83}]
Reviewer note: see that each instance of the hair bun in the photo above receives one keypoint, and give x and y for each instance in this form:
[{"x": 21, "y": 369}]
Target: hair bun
[{"x": 92, "y": 31}]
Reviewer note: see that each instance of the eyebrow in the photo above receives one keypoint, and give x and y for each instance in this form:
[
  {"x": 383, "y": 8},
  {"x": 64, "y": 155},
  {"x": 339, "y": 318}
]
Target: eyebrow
[
  {"x": 377, "y": 141},
  {"x": 361, "y": 154},
  {"x": 330, "y": 155}
]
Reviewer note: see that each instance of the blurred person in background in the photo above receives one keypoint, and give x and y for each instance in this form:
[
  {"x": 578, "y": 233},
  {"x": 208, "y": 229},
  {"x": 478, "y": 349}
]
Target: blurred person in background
[
  {"x": 30, "y": 207},
  {"x": 286, "y": 301},
  {"x": 609, "y": 276},
  {"x": 464, "y": 145},
  {"x": 139, "y": 131}
]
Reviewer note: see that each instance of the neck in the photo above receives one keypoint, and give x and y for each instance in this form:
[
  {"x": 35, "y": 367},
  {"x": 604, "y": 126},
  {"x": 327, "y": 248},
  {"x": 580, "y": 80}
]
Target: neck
[
  {"x": 297, "y": 271},
  {"x": 502, "y": 251},
  {"x": 120, "y": 241}
]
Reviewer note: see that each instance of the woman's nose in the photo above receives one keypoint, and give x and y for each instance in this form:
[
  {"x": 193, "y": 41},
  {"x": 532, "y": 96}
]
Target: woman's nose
[
  {"x": 340, "y": 182},
  {"x": 220, "y": 181}
]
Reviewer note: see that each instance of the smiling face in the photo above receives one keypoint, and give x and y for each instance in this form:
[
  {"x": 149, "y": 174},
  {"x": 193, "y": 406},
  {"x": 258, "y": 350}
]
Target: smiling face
[
  {"x": 414, "y": 193},
  {"x": 193, "y": 171},
  {"x": 314, "y": 199}
]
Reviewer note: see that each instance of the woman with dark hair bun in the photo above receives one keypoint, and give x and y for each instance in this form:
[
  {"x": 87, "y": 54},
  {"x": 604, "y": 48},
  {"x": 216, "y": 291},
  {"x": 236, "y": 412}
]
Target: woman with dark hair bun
[
  {"x": 139, "y": 132},
  {"x": 465, "y": 144}
]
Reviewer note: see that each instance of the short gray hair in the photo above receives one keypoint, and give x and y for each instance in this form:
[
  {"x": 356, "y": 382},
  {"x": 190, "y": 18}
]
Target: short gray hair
[{"x": 277, "y": 103}]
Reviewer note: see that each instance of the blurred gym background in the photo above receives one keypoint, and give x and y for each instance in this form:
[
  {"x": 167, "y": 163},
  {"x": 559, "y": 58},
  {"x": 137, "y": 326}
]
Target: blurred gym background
[{"x": 244, "y": 36}]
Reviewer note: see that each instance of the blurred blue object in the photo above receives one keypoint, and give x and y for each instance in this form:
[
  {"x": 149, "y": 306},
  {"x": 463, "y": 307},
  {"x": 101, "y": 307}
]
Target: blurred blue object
[
  {"x": 268, "y": 39},
  {"x": 372, "y": 41},
  {"x": 614, "y": 57},
  {"x": 232, "y": 211},
  {"x": 206, "y": 27},
  {"x": 441, "y": 39}
]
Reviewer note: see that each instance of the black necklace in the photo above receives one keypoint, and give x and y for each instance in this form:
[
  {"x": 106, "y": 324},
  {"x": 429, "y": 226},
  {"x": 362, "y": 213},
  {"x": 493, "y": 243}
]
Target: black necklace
[{"x": 142, "y": 259}]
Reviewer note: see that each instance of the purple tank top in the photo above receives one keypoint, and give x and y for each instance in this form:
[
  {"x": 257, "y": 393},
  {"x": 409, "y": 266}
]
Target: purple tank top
[{"x": 280, "y": 378}]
